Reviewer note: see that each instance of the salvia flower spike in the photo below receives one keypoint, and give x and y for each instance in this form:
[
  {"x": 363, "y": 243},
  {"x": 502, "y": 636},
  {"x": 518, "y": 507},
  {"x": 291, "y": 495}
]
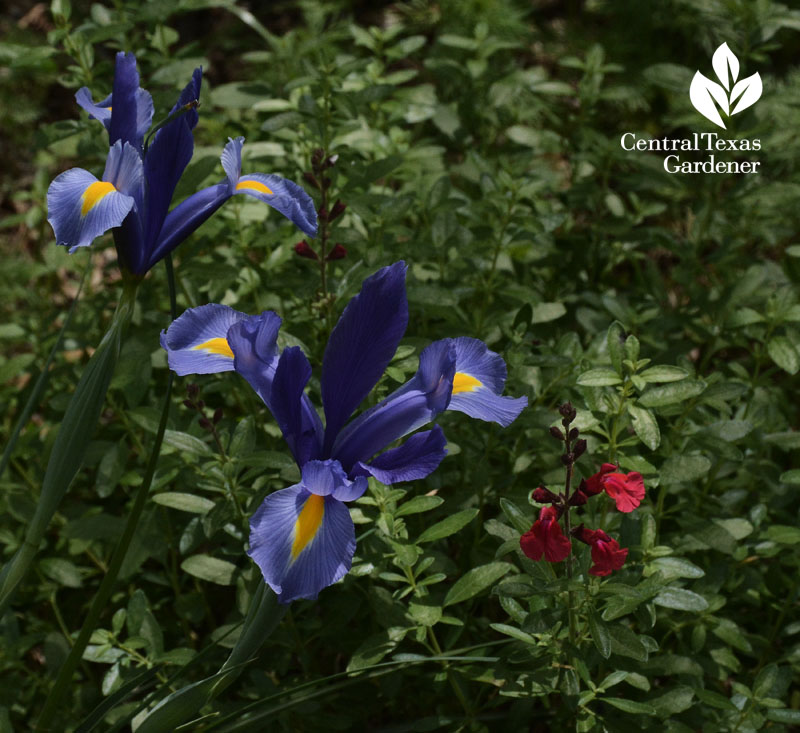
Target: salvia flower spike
[{"x": 545, "y": 538}]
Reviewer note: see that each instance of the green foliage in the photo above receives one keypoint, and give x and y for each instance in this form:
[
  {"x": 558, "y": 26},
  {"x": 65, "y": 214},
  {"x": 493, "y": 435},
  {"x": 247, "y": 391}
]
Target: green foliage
[{"x": 480, "y": 142}]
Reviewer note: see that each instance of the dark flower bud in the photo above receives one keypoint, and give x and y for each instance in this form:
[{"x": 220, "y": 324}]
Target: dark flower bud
[
  {"x": 568, "y": 459},
  {"x": 556, "y": 433},
  {"x": 577, "y": 499},
  {"x": 201, "y": 404},
  {"x": 330, "y": 161},
  {"x": 303, "y": 250},
  {"x": 217, "y": 415},
  {"x": 543, "y": 495},
  {"x": 581, "y": 533},
  {"x": 568, "y": 412},
  {"x": 316, "y": 156},
  {"x": 574, "y": 433},
  {"x": 311, "y": 179},
  {"x": 579, "y": 448},
  {"x": 337, "y": 253},
  {"x": 189, "y": 404},
  {"x": 204, "y": 423},
  {"x": 322, "y": 213},
  {"x": 337, "y": 210},
  {"x": 326, "y": 182}
]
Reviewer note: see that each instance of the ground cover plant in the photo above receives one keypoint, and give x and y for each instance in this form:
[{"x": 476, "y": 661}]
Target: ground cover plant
[{"x": 453, "y": 223}]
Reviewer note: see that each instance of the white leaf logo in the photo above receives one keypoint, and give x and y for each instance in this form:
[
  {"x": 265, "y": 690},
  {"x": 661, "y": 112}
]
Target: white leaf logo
[
  {"x": 750, "y": 89},
  {"x": 703, "y": 93},
  {"x": 707, "y": 95},
  {"x": 722, "y": 60}
]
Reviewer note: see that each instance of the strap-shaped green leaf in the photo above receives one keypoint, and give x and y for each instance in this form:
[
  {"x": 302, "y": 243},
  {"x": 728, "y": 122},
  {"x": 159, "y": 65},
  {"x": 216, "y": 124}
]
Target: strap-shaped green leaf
[
  {"x": 71, "y": 443},
  {"x": 181, "y": 706}
]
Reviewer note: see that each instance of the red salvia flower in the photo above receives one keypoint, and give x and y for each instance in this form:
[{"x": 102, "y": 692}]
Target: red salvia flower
[
  {"x": 607, "y": 555},
  {"x": 545, "y": 538},
  {"x": 627, "y": 490}
]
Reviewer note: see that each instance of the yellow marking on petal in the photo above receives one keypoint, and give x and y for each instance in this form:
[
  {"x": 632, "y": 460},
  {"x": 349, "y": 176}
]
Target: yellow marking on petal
[
  {"x": 108, "y": 108},
  {"x": 463, "y": 382},
  {"x": 217, "y": 346},
  {"x": 307, "y": 524},
  {"x": 93, "y": 194},
  {"x": 253, "y": 185}
]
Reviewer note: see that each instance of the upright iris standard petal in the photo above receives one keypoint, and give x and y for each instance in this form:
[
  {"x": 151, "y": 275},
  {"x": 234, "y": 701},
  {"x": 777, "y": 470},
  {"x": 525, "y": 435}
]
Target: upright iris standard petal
[
  {"x": 478, "y": 383},
  {"x": 282, "y": 195},
  {"x": 166, "y": 159},
  {"x": 415, "y": 404},
  {"x": 127, "y": 119},
  {"x": 197, "y": 341},
  {"x": 302, "y": 538},
  {"x": 294, "y": 413},
  {"x": 133, "y": 120},
  {"x": 418, "y": 457},
  {"x": 81, "y": 208},
  {"x": 361, "y": 346}
]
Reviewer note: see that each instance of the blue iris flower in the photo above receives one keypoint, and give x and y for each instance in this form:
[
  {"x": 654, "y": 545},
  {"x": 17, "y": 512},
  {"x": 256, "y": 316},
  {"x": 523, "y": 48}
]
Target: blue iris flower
[
  {"x": 134, "y": 195},
  {"x": 302, "y": 537}
]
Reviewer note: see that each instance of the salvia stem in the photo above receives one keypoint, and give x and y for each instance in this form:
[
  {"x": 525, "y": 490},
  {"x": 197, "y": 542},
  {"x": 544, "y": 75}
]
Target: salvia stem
[
  {"x": 569, "y": 459},
  {"x": 64, "y": 679},
  {"x": 71, "y": 443}
]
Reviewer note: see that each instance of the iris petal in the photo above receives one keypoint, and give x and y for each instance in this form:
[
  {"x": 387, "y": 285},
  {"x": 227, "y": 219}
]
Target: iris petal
[
  {"x": 479, "y": 379},
  {"x": 328, "y": 478},
  {"x": 185, "y": 218},
  {"x": 418, "y": 457},
  {"x": 196, "y": 342},
  {"x": 284, "y": 196},
  {"x": 302, "y": 538},
  {"x": 232, "y": 159},
  {"x": 100, "y": 111},
  {"x": 124, "y": 123},
  {"x": 81, "y": 208},
  {"x": 166, "y": 159},
  {"x": 362, "y": 344},
  {"x": 416, "y": 403},
  {"x": 254, "y": 342},
  {"x": 296, "y": 417}
]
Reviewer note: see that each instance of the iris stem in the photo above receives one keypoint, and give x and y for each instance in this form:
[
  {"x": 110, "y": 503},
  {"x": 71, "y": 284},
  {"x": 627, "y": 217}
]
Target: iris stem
[
  {"x": 71, "y": 443},
  {"x": 64, "y": 678}
]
